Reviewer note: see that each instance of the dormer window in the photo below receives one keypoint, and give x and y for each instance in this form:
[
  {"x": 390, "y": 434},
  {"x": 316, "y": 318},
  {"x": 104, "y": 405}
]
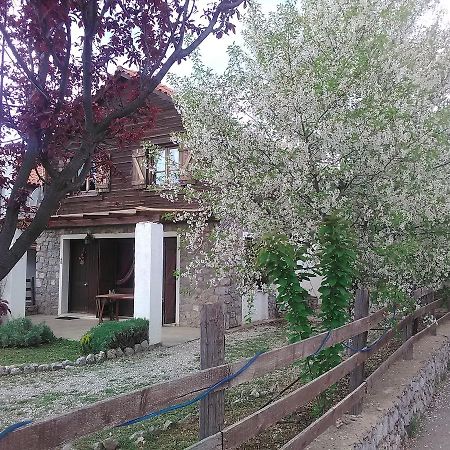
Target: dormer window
[
  {"x": 89, "y": 183},
  {"x": 156, "y": 166},
  {"x": 98, "y": 179},
  {"x": 164, "y": 166}
]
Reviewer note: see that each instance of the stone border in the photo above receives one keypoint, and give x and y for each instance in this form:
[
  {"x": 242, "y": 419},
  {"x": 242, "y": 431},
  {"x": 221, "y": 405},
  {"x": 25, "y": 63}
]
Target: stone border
[
  {"x": 400, "y": 395},
  {"x": 391, "y": 429},
  {"x": 18, "y": 369}
]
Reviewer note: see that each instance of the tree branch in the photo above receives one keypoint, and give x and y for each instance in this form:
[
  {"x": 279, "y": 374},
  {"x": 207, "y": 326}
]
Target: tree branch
[{"x": 22, "y": 63}]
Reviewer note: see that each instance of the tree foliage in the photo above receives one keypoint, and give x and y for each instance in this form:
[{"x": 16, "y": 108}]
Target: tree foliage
[
  {"x": 280, "y": 261},
  {"x": 335, "y": 105},
  {"x": 337, "y": 260},
  {"x": 59, "y": 101}
]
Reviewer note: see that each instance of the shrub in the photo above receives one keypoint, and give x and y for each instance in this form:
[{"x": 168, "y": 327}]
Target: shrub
[
  {"x": 22, "y": 333},
  {"x": 114, "y": 334}
]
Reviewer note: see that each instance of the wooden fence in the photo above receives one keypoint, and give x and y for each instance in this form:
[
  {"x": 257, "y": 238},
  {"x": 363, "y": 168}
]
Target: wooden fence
[{"x": 53, "y": 432}]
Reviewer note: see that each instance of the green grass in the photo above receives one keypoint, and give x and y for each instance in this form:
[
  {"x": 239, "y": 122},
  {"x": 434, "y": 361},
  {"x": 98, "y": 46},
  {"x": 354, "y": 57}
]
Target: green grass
[
  {"x": 249, "y": 347},
  {"x": 59, "y": 350}
]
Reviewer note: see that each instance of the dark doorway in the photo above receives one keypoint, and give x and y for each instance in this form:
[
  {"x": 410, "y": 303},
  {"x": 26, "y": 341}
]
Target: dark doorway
[
  {"x": 169, "y": 280},
  {"x": 116, "y": 270},
  {"x": 98, "y": 266},
  {"x": 83, "y": 276}
]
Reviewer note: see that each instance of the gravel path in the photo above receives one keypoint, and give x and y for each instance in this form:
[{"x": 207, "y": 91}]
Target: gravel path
[
  {"x": 49, "y": 393},
  {"x": 434, "y": 426}
]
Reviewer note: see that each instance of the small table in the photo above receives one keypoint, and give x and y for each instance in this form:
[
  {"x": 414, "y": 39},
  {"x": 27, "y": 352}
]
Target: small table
[{"x": 103, "y": 299}]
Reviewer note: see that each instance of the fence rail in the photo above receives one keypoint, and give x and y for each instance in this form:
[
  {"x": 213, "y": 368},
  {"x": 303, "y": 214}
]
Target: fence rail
[
  {"x": 55, "y": 431},
  {"x": 240, "y": 432}
]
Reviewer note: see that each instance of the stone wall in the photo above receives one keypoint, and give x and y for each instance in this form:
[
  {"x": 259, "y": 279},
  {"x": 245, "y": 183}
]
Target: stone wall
[
  {"x": 391, "y": 430},
  {"x": 192, "y": 294},
  {"x": 48, "y": 261},
  {"x": 47, "y": 272},
  {"x": 400, "y": 395}
]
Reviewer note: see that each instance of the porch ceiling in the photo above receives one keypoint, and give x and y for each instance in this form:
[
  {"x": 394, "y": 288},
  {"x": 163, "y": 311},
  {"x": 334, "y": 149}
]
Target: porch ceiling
[{"x": 114, "y": 217}]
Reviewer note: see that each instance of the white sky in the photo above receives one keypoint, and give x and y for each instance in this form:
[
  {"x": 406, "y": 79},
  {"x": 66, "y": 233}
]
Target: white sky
[{"x": 214, "y": 51}]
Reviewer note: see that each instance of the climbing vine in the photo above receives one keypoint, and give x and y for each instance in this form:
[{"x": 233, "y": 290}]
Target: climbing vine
[
  {"x": 337, "y": 261},
  {"x": 279, "y": 260}
]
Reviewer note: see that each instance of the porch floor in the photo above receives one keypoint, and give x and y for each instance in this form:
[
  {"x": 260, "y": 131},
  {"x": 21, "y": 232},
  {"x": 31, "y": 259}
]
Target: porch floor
[{"x": 74, "y": 329}]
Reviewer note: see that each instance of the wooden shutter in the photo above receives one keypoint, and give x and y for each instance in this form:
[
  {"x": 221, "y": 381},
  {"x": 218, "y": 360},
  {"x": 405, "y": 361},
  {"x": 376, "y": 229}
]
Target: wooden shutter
[
  {"x": 185, "y": 159},
  {"x": 139, "y": 168},
  {"x": 102, "y": 177}
]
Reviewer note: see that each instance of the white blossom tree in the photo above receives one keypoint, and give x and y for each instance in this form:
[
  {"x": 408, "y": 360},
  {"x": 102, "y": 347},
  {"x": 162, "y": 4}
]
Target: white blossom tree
[{"x": 335, "y": 106}]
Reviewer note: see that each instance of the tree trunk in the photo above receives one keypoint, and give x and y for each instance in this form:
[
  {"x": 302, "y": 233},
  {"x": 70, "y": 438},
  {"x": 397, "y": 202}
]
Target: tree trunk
[{"x": 11, "y": 252}]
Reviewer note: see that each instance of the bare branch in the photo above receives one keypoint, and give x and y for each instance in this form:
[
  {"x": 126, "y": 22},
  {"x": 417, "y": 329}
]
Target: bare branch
[{"x": 22, "y": 63}]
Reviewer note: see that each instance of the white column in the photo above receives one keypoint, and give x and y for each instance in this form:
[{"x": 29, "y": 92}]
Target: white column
[
  {"x": 14, "y": 286},
  {"x": 148, "y": 276},
  {"x": 256, "y": 310}
]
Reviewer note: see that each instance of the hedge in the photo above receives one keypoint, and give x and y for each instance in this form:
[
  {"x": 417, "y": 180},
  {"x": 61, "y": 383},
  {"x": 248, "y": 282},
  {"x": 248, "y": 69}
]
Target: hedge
[
  {"x": 22, "y": 333},
  {"x": 114, "y": 334}
]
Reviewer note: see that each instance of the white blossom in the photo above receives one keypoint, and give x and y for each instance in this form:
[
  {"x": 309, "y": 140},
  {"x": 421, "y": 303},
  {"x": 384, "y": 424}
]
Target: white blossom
[{"x": 336, "y": 105}]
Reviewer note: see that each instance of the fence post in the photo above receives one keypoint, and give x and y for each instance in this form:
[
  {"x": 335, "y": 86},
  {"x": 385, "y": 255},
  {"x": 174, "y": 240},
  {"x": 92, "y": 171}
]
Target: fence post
[
  {"x": 411, "y": 329},
  {"x": 359, "y": 342},
  {"x": 212, "y": 353}
]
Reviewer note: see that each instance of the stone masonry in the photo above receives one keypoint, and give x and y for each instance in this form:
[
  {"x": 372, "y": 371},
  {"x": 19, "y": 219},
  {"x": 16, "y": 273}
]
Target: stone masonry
[
  {"x": 48, "y": 260},
  {"x": 192, "y": 294},
  {"x": 400, "y": 396},
  {"x": 47, "y": 272}
]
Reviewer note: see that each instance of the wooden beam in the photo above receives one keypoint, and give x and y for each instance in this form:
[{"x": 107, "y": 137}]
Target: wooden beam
[
  {"x": 359, "y": 342},
  {"x": 213, "y": 442},
  {"x": 324, "y": 422},
  {"x": 278, "y": 358},
  {"x": 52, "y": 432},
  {"x": 240, "y": 432},
  {"x": 212, "y": 353}
]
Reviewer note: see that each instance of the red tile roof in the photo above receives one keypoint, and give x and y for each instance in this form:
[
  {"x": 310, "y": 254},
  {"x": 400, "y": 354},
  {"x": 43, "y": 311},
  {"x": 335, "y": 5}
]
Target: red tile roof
[
  {"x": 128, "y": 73},
  {"x": 36, "y": 176}
]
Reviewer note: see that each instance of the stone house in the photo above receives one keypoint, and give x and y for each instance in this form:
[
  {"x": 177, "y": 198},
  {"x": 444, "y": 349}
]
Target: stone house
[{"x": 90, "y": 246}]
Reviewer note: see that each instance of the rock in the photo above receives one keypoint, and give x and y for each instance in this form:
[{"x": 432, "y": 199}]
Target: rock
[
  {"x": 254, "y": 393},
  {"x": 119, "y": 352},
  {"x": 29, "y": 369},
  {"x": 168, "y": 424},
  {"x": 136, "y": 435},
  {"x": 15, "y": 370},
  {"x": 4, "y": 370},
  {"x": 67, "y": 362},
  {"x": 111, "y": 354},
  {"x": 137, "y": 348},
  {"x": 144, "y": 345},
  {"x": 100, "y": 357},
  {"x": 68, "y": 447},
  {"x": 81, "y": 361},
  {"x": 110, "y": 444},
  {"x": 57, "y": 366},
  {"x": 98, "y": 446},
  {"x": 44, "y": 368},
  {"x": 129, "y": 351},
  {"x": 90, "y": 359},
  {"x": 69, "y": 367},
  {"x": 140, "y": 441}
]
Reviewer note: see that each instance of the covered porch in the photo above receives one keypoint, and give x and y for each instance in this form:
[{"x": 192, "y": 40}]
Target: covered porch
[{"x": 73, "y": 326}]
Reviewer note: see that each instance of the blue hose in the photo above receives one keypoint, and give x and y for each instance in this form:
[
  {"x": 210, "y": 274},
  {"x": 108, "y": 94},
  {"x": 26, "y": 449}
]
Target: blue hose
[
  {"x": 195, "y": 399},
  {"x": 14, "y": 427}
]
